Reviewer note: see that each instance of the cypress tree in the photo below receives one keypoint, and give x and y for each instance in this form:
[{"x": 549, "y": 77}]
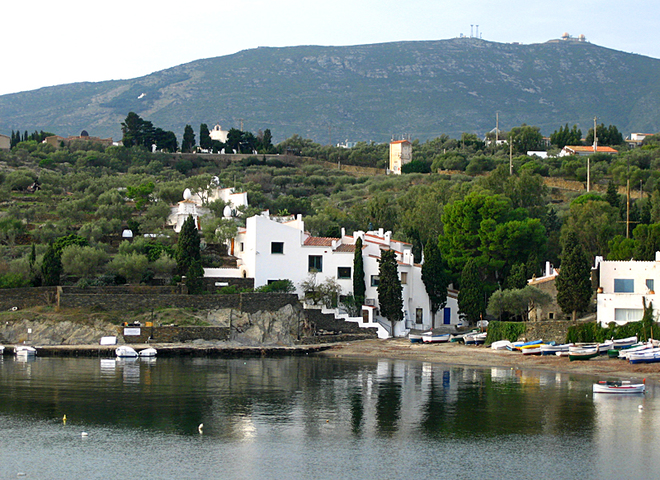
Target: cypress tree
[
  {"x": 188, "y": 142},
  {"x": 573, "y": 284},
  {"x": 612, "y": 195},
  {"x": 359, "y": 287},
  {"x": 51, "y": 267},
  {"x": 205, "y": 141},
  {"x": 435, "y": 277},
  {"x": 390, "y": 300},
  {"x": 471, "y": 300},
  {"x": 189, "y": 257}
]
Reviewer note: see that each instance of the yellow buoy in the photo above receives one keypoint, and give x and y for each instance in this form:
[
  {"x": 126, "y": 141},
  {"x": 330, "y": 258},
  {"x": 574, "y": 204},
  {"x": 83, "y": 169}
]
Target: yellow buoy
[{"x": 64, "y": 419}]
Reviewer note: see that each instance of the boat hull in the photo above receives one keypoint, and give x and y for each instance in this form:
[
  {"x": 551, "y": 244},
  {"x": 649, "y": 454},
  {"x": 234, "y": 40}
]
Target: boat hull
[{"x": 619, "y": 388}]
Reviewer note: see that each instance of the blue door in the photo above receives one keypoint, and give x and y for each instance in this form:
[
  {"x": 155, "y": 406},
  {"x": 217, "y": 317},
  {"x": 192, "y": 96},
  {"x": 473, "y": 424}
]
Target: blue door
[{"x": 447, "y": 316}]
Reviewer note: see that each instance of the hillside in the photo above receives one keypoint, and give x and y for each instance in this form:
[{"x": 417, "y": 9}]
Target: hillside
[{"x": 365, "y": 92}]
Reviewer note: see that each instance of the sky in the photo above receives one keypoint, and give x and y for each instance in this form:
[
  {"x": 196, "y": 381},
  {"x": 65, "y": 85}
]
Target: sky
[{"x": 69, "y": 41}]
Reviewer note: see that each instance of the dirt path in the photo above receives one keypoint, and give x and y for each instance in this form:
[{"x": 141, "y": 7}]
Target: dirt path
[{"x": 458, "y": 354}]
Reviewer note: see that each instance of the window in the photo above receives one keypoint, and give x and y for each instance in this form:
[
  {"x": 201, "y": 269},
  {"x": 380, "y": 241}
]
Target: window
[
  {"x": 628, "y": 314},
  {"x": 375, "y": 280},
  {"x": 343, "y": 272},
  {"x": 649, "y": 284},
  {"x": 240, "y": 246},
  {"x": 315, "y": 263},
  {"x": 277, "y": 247},
  {"x": 419, "y": 315},
  {"x": 551, "y": 315},
  {"x": 404, "y": 280},
  {"x": 624, "y": 285}
]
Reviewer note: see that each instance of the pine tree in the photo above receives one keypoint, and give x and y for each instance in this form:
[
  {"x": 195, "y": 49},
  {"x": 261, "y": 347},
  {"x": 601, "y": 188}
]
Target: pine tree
[
  {"x": 612, "y": 195},
  {"x": 573, "y": 284},
  {"x": 359, "y": 287},
  {"x": 390, "y": 300},
  {"x": 205, "y": 141},
  {"x": 471, "y": 297},
  {"x": 435, "y": 277}
]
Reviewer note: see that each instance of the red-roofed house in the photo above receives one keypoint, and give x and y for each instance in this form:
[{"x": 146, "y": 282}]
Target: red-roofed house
[{"x": 583, "y": 151}]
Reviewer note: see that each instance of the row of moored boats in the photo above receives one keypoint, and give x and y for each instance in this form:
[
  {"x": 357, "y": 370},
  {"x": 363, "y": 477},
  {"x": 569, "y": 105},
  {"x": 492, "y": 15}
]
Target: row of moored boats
[
  {"x": 123, "y": 351},
  {"x": 471, "y": 338}
]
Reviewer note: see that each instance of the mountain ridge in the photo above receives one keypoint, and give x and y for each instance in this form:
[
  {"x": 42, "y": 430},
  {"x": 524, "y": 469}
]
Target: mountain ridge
[{"x": 364, "y": 92}]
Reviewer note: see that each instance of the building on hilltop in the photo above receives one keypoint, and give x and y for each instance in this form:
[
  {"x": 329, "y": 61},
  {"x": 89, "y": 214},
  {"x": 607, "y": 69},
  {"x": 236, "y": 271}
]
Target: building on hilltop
[
  {"x": 279, "y": 248},
  {"x": 400, "y": 154},
  {"x": 218, "y": 134},
  {"x": 584, "y": 151},
  {"x": 57, "y": 141},
  {"x": 5, "y": 142}
]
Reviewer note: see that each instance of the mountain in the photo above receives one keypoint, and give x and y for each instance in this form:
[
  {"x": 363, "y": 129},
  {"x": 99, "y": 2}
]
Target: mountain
[{"x": 365, "y": 92}]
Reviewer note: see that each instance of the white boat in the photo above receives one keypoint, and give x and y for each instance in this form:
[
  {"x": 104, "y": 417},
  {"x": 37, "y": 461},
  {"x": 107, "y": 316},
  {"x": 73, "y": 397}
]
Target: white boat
[
  {"x": 148, "y": 352},
  {"x": 548, "y": 349},
  {"x": 605, "y": 346},
  {"x": 25, "y": 350},
  {"x": 626, "y": 352},
  {"x": 126, "y": 352},
  {"x": 2, "y": 350},
  {"x": 430, "y": 337},
  {"x": 501, "y": 345},
  {"x": 619, "y": 387},
  {"x": 532, "y": 350},
  {"x": 624, "y": 342},
  {"x": 650, "y": 355}
]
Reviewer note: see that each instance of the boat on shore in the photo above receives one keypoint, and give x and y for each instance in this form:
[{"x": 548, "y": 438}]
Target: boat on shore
[
  {"x": 624, "y": 342},
  {"x": 25, "y": 351},
  {"x": 126, "y": 352},
  {"x": 618, "y": 387},
  {"x": 430, "y": 337},
  {"x": 548, "y": 349},
  {"x": 584, "y": 353},
  {"x": 415, "y": 337},
  {"x": 500, "y": 345},
  {"x": 650, "y": 355}
]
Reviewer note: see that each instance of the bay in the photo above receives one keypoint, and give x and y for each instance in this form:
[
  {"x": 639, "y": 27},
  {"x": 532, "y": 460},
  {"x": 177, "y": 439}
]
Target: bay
[{"x": 314, "y": 418}]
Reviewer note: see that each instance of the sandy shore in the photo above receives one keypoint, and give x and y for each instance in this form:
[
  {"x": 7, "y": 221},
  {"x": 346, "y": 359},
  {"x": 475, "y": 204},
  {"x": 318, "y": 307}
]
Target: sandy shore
[{"x": 478, "y": 356}]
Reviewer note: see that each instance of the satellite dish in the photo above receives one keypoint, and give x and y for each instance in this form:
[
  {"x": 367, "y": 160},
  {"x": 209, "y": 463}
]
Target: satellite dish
[{"x": 227, "y": 212}]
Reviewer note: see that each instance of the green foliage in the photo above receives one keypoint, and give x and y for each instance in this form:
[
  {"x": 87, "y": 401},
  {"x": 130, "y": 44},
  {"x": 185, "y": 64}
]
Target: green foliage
[
  {"x": 130, "y": 266},
  {"x": 606, "y": 135},
  {"x": 83, "y": 261},
  {"x": 471, "y": 296},
  {"x": 565, "y": 136},
  {"x": 435, "y": 276},
  {"x": 13, "y": 280},
  {"x": 359, "y": 286},
  {"x": 645, "y": 329},
  {"x": 188, "y": 142},
  {"x": 326, "y": 293},
  {"x": 51, "y": 267},
  {"x": 188, "y": 246},
  {"x": 516, "y": 302},
  {"x": 390, "y": 300},
  {"x": 278, "y": 286},
  {"x": 510, "y": 331},
  {"x": 573, "y": 284}
]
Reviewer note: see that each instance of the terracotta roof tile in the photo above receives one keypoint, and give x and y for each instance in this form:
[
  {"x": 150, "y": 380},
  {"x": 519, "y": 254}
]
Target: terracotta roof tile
[{"x": 319, "y": 241}]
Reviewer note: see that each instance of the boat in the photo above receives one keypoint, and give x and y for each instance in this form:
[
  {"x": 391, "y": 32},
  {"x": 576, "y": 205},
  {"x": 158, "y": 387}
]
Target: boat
[
  {"x": 651, "y": 355},
  {"x": 626, "y": 352},
  {"x": 500, "y": 345},
  {"x": 553, "y": 349},
  {"x": 518, "y": 345},
  {"x": 624, "y": 342},
  {"x": 25, "y": 350},
  {"x": 126, "y": 352},
  {"x": 619, "y": 387},
  {"x": 415, "y": 337},
  {"x": 531, "y": 350},
  {"x": 585, "y": 353},
  {"x": 430, "y": 337},
  {"x": 148, "y": 352},
  {"x": 604, "y": 347},
  {"x": 2, "y": 350}
]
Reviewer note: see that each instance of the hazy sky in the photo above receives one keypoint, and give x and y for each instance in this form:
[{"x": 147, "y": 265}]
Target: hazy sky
[{"x": 52, "y": 43}]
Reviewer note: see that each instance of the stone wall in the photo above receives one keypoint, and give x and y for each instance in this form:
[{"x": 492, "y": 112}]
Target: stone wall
[
  {"x": 27, "y": 297},
  {"x": 548, "y": 331},
  {"x": 325, "y": 323},
  {"x": 172, "y": 334}
]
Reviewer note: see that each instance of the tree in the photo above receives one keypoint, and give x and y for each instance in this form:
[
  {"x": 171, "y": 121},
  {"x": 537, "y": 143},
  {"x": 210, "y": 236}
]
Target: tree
[
  {"x": 359, "y": 287},
  {"x": 565, "y": 136},
  {"x": 83, "y": 261},
  {"x": 606, "y": 135},
  {"x": 435, "y": 277},
  {"x": 526, "y": 138},
  {"x": 612, "y": 195},
  {"x": 471, "y": 296},
  {"x": 516, "y": 302},
  {"x": 205, "y": 141},
  {"x": 51, "y": 267},
  {"x": 573, "y": 284},
  {"x": 188, "y": 142},
  {"x": 137, "y": 132},
  {"x": 390, "y": 300},
  {"x": 188, "y": 255}
]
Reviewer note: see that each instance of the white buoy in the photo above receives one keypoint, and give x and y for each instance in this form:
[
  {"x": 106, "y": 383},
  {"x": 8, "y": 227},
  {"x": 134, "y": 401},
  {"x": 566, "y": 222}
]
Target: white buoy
[
  {"x": 200, "y": 428},
  {"x": 84, "y": 434},
  {"x": 641, "y": 407}
]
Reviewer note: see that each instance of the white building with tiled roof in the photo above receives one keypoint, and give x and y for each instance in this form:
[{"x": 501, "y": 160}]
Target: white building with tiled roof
[{"x": 270, "y": 250}]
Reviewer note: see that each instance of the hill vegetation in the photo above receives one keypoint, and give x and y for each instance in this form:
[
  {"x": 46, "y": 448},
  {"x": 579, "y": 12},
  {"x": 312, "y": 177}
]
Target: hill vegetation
[{"x": 364, "y": 92}]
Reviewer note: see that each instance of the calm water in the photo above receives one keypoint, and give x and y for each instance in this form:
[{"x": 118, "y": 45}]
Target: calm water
[{"x": 314, "y": 418}]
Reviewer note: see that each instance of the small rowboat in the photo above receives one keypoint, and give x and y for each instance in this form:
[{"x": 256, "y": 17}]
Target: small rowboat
[
  {"x": 126, "y": 352},
  {"x": 582, "y": 353},
  {"x": 430, "y": 337},
  {"x": 415, "y": 337},
  {"x": 651, "y": 355},
  {"x": 619, "y": 387},
  {"x": 25, "y": 351},
  {"x": 500, "y": 345},
  {"x": 148, "y": 352},
  {"x": 553, "y": 349},
  {"x": 624, "y": 342}
]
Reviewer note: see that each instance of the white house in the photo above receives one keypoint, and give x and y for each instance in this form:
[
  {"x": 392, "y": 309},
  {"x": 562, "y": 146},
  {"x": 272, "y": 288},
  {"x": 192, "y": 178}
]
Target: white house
[
  {"x": 623, "y": 287},
  {"x": 217, "y": 133},
  {"x": 271, "y": 248},
  {"x": 194, "y": 204}
]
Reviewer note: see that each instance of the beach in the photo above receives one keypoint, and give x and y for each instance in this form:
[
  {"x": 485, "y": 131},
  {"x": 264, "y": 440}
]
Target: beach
[{"x": 480, "y": 356}]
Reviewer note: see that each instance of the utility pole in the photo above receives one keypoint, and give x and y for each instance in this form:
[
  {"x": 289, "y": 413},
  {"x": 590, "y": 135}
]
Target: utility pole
[
  {"x": 241, "y": 120},
  {"x": 510, "y": 155},
  {"x": 589, "y": 158}
]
